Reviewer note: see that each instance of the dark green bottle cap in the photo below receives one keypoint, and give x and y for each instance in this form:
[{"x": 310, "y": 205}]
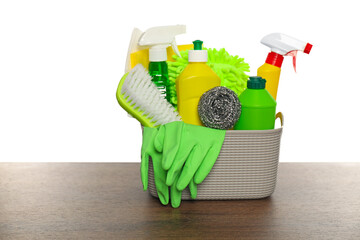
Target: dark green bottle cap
[
  {"x": 256, "y": 83},
  {"x": 197, "y": 44}
]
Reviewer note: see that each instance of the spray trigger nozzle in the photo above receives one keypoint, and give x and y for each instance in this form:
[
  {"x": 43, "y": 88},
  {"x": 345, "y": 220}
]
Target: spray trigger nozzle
[
  {"x": 294, "y": 55},
  {"x": 159, "y": 38},
  {"x": 281, "y": 44},
  {"x": 175, "y": 48}
]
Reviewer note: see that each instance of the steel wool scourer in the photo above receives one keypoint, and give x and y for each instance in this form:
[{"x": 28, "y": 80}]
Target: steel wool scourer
[{"x": 219, "y": 108}]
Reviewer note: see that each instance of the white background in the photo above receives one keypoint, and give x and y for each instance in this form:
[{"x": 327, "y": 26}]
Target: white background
[{"x": 61, "y": 61}]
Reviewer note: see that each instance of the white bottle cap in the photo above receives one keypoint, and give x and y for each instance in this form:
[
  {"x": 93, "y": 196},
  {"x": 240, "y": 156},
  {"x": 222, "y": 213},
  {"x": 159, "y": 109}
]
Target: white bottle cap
[
  {"x": 198, "y": 56},
  {"x": 157, "y": 54}
]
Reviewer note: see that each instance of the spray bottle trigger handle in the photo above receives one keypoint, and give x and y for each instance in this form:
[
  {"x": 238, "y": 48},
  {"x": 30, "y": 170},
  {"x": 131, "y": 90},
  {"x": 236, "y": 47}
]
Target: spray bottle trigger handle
[
  {"x": 294, "y": 62},
  {"x": 175, "y": 48},
  {"x": 293, "y": 54}
]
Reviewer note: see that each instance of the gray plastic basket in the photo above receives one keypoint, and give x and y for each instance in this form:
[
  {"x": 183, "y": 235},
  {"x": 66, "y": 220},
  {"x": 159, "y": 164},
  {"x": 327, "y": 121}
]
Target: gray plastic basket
[{"x": 246, "y": 167}]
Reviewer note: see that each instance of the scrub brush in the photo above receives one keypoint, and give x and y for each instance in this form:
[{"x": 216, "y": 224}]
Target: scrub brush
[
  {"x": 230, "y": 69},
  {"x": 139, "y": 96}
]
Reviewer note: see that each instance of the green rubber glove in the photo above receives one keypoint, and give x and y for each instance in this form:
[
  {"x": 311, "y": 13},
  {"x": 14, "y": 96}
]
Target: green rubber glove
[
  {"x": 189, "y": 152},
  {"x": 147, "y": 151},
  {"x": 175, "y": 194}
]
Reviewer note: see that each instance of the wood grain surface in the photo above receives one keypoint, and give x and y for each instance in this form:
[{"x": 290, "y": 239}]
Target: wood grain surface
[{"x": 106, "y": 201}]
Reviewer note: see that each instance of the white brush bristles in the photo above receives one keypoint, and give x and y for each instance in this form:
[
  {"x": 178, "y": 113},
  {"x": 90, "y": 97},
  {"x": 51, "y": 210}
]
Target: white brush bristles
[{"x": 142, "y": 94}]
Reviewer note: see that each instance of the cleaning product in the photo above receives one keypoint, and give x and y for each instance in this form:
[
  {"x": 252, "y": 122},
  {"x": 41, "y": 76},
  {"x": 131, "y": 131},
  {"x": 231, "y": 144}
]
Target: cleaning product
[
  {"x": 139, "y": 96},
  {"x": 140, "y": 54},
  {"x": 281, "y": 45},
  {"x": 231, "y": 69},
  {"x": 158, "y": 39},
  {"x": 219, "y": 108},
  {"x": 182, "y": 155},
  {"x": 196, "y": 79},
  {"x": 257, "y": 107}
]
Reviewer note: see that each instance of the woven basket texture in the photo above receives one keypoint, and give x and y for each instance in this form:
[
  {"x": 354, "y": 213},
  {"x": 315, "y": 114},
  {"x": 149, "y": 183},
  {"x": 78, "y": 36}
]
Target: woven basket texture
[{"x": 246, "y": 167}]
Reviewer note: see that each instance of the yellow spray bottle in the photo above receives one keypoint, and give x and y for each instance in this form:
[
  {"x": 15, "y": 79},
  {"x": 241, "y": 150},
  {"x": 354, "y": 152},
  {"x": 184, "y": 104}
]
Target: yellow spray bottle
[{"x": 281, "y": 45}]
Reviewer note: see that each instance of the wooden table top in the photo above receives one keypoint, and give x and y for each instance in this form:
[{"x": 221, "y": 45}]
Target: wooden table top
[{"x": 106, "y": 201}]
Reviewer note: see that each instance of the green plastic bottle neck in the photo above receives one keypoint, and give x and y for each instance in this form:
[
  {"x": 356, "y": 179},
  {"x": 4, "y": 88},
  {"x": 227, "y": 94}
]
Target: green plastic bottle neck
[{"x": 256, "y": 83}]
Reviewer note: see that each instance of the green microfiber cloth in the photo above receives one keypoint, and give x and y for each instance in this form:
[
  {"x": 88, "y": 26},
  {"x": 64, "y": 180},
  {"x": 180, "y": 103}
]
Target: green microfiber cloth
[{"x": 230, "y": 69}]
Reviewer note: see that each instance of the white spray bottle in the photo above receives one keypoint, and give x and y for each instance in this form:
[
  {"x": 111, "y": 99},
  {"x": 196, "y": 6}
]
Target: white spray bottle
[
  {"x": 281, "y": 45},
  {"x": 158, "y": 39}
]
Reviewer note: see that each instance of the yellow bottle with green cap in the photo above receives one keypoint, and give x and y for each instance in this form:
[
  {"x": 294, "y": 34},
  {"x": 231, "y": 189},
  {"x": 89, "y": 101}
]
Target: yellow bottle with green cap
[{"x": 193, "y": 82}]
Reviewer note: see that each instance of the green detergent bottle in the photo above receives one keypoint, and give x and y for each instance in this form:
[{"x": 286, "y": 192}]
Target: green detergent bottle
[
  {"x": 159, "y": 74},
  {"x": 158, "y": 39},
  {"x": 258, "y": 107}
]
